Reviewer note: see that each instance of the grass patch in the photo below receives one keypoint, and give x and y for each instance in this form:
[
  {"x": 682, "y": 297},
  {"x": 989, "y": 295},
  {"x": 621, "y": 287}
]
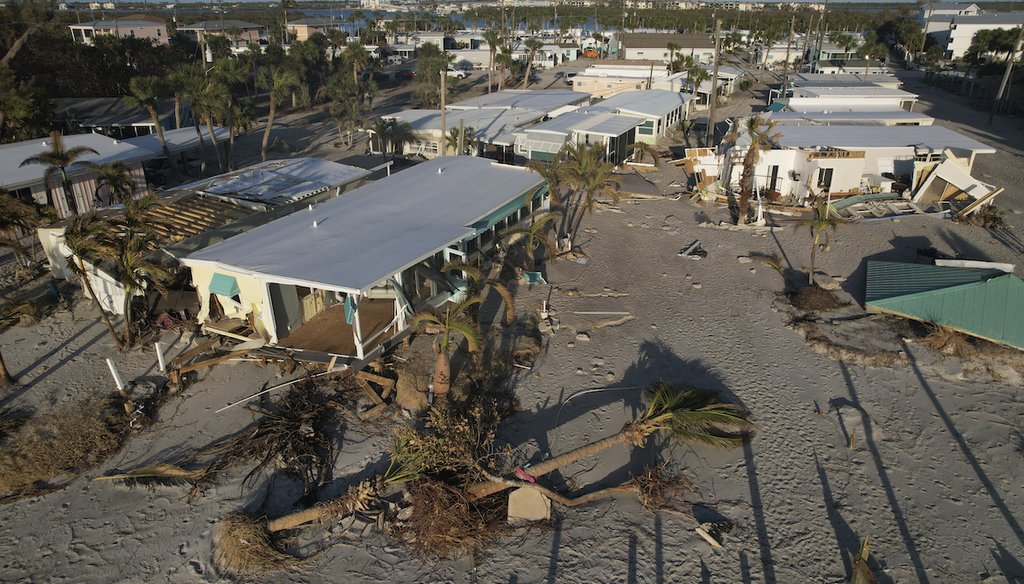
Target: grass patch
[{"x": 947, "y": 341}]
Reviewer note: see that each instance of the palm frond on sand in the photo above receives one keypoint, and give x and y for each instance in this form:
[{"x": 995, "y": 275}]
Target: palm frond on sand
[{"x": 159, "y": 474}]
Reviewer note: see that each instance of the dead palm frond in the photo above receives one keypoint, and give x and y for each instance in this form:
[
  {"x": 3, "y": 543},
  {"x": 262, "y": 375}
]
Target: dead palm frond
[
  {"x": 243, "y": 547},
  {"x": 159, "y": 474}
]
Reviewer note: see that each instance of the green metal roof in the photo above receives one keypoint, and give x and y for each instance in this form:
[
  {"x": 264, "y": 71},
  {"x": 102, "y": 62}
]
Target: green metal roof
[
  {"x": 889, "y": 279},
  {"x": 992, "y": 309},
  {"x": 777, "y": 106}
]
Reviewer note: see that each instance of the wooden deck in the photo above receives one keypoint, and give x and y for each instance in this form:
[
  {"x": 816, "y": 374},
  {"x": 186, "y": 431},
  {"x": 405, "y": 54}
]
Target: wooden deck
[{"x": 327, "y": 332}]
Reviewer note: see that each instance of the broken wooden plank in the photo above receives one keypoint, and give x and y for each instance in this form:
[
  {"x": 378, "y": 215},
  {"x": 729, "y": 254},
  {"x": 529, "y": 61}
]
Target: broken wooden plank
[
  {"x": 212, "y": 361},
  {"x": 384, "y": 382},
  {"x": 195, "y": 351}
]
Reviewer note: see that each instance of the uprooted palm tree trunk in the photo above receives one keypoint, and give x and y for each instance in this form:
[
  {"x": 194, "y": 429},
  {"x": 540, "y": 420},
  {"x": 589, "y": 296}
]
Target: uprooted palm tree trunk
[{"x": 686, "y": 414}]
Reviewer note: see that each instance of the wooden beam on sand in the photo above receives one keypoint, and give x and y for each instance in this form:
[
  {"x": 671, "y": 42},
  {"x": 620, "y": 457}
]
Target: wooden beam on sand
[{"x": 212, "y": 361}]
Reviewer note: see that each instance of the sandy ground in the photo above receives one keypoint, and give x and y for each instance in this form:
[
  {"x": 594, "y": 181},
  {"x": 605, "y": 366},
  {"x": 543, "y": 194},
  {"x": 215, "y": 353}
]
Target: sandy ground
[{"x": 934, "y": 478}]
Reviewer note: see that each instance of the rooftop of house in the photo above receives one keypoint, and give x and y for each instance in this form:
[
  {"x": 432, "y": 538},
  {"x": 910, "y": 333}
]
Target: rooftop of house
[
  {"x": 933, "y": 138},
  {"x": 377, "y": 230},
  {"x": 219, "y": 25},
  {"x": 840, "y": 79},
  {"x": 990, "y": 18},
  {"x": 651, "y": 102},
  {"x": 545, "y": 100},
  {"x": 660, "y": 40},
  {"x": 484, "y": 123},
  {"x": 867, "y": 118},
  {"x": 601, "y": 123},
  {"x": 852, "y": 91},
  {"x": 116, "y": 23},
  {"x": 101, "y": 112},
  {"x": 277, "y": 182},
  {"x": 13, "y": 175}
]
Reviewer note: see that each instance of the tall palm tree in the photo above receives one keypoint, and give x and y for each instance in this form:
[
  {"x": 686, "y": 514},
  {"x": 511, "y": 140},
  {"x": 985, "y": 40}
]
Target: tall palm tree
[
  {"x": 467, "y": 138},
  {"x": 600, "y": 41},
  {"x": 590, "y": 177},
  {"x": 448, "y": 326},
  {"x": 643, "y": 149},
  {"x": 504, "y": 62},
  {"x": 240, "y": 118},
  {"x": 57, "y": 160},
  {"x": 116, "y": 177},
  {"x": 685, "y": 414},
  {"x": 821, "y": 223},
  {"x": 672, "y": 49},
  {"x": 554, "y": 173},
  {"x": 760, "y": 137},
  {"x": 145, "y": 93},
  {"x": 336, "y": 38},
  {"x": 494, "y": 39},
  {"x": 177, "y": 83},
  {"x": 86, "y": 236},
  {"x": 356, "y": 55},
  {"x": 207, "y": 104},
  {"x": 134, "y": 271},
  {"x": 279, "y": 82},
  {"x": 533, "y": 46}
]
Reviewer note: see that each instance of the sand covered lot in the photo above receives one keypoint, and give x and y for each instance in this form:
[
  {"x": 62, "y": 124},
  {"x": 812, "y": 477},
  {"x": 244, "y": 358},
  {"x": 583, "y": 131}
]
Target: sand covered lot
[{"x": 923, "y": 457}]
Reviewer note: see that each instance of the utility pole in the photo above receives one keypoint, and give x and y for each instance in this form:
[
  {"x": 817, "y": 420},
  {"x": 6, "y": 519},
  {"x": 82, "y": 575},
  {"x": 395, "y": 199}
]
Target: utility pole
[
  {"x": 785, "y": 70},
  {"x": 1006, "y": 75},
  {"x": 443, "y": 146},
  {"x": 713, "y": 99},
  {"x": 805, "y": 54}
]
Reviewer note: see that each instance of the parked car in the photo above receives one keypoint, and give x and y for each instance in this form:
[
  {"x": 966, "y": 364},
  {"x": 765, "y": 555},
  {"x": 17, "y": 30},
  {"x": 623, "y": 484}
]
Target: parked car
[
  {"x": 568, "y": 76},
  {"x": 457, "y": 73},
  {"x": 405, "y": 74}
]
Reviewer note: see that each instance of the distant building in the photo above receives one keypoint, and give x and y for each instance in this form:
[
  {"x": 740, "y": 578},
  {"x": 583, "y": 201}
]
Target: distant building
[
  {"x": 959, "y": 33},
  {"x": 654, "y": 46},
  {"x": 85, "y": 32},
  {"x": 303, "y": 28},
  {"x": 942, "y": 12},
  {"x": 248, "y": 32}
]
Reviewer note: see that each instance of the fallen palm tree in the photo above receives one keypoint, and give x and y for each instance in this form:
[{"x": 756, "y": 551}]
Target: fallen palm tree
[{"x": 685, "y": 414}]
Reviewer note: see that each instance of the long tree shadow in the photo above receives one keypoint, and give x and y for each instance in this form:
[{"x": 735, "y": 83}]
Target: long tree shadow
[
  {"x": 846, "y": 539},
  {"x": 764, "y": 544},
  {"x": 64, "y": 360},
  {"x": 1010, "y": 566},
  {"x": 997, "y": 499},
  {"x": 883, "y": 473}
]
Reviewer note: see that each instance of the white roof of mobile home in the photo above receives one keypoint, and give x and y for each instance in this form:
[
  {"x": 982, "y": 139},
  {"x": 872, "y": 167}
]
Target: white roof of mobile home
[
  {"x": 591, "y": 122},
  {"x": 545, "y": 100},
  {"x": 376, "y": 230},
  {"x": 279, "y": 182},
  {"x": 857, "y": 118},
  {"x": 13, "y": 175},
  {"x": 852, "y": 91},
  {"x": 843, "y": 79},
  {"x": 651, "y": 102},
  {"x": 483, "y": 122},
  {"x": 934, "y": 138}
]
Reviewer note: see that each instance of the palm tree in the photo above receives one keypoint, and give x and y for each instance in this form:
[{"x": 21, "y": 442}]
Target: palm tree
[
  {"x": 347, "y": 115},
  {"x": 687, "y": 415},
  {"x": 534, "y": 237},
  {"x": 820, "y": 224},
  {"x": 87, "y": 236},
  {"x": 240, "y": 117},
  {"x": 57, "y": 160},
  {"x": 206, "y": 104},
  {"x": 494, "y": 39},
  {"x": 477, "y": 282},
  {"x": 600, "y": 40},
  {"x": 872, "y": 50},
  {"x": 447, "y": 326},
  {"x": 116, "y": 177},
  {"x": 391, "y": 135},
  {"x": 145, "y": 93},
  {"x": 356, "y": 55},
  {"x": 554, "y": 173},
  {"x": 642, "y": 149},
  {"x": 279, "y": 81},
  {"x": 336, "y": 38},
  {"x": 135, "y": 272},
  {"x": 453, "y": 138},
  {"x": 672, "y": 49},
  {"x": 16, "y": 217},
  {"x": 533, "y": 46},
  {"x": 761, "y": 139},
  {"x": 504, "y": 62},
  {"x": 697, "y": 74},
  {"x": 590, "y": 177},
  {"x": 177, "y": 82}
]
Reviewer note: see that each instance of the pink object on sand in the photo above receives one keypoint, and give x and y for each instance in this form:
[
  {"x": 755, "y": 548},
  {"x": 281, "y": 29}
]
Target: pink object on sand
[{"x": 524, "y": 475}]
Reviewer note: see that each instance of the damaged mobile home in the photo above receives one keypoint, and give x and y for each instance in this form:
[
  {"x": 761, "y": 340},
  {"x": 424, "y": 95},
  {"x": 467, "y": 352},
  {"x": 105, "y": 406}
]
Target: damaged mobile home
[{"x": 339, "y": 281}]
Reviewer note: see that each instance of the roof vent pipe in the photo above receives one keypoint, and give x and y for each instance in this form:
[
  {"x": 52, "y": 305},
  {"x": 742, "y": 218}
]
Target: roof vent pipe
[
  {"x": 314, "y": 222},
  {"x": 440, "y": 170}
]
